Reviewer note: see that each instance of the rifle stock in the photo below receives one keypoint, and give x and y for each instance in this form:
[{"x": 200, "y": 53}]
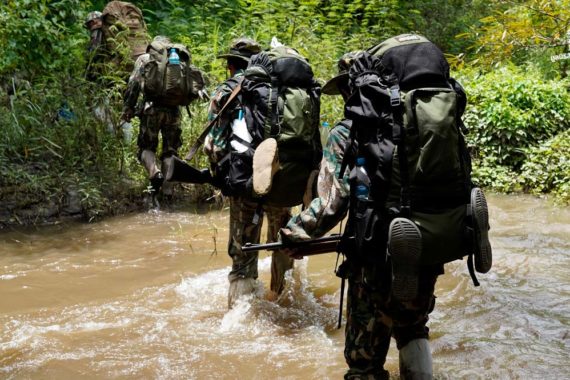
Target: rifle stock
[{"x": 302, "y": 248}]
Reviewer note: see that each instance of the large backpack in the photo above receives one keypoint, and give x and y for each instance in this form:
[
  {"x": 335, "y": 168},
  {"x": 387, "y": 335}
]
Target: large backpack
[
  {"x": 406, "y": 114},
  {"x": 124, "y": 27},
  {"x": 171, "y": 84},
  {"x": 280, "y": 99}
]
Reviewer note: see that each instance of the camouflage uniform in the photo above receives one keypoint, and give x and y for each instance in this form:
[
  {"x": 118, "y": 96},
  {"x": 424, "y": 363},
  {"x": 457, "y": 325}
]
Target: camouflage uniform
[
  {"x": 96, "y": 58},
  {"x": 373, "y": 317},
  {"x": 243, "y": 211},
  {"x": 154, "y": 118}
]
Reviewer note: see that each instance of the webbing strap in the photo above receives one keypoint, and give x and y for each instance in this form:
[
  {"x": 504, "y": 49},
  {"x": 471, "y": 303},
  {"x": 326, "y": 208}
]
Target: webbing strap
[
  {"x": 472, "y": 270},
  {"x": 399, "y": 138},
  {"x": 274, "y": 123},
  {"x": 342, "y": 283},
  {"x": 348, "y": 153}
]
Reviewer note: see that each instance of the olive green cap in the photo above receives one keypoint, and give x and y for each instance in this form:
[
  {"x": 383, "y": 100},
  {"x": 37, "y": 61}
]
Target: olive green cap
[
  {"x": 242, "y": 48},
  {"x": 344, "y": 63}
]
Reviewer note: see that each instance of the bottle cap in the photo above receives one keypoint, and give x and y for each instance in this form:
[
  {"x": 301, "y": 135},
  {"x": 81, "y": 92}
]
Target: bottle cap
[{"x": 360, "y": 161}]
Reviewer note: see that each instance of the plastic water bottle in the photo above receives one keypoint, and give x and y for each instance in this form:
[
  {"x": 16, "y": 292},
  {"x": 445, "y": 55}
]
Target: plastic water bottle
[
  {"x": 173, "y": 58},
  {"x": 362, "y": 180}
]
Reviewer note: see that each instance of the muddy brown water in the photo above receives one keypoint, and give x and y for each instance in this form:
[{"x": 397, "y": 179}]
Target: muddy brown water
[{"x": 144, "y": 297}]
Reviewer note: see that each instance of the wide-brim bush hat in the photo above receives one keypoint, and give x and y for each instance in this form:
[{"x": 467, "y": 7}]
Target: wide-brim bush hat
[
  {"x": 242, "y": 48},
  {"x": 344, "y": 63}
]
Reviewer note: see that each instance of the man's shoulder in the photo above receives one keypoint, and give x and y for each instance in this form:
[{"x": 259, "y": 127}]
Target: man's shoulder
[
  {"x": 341, "y": 130},
  {"x": 142, "y": 59}
]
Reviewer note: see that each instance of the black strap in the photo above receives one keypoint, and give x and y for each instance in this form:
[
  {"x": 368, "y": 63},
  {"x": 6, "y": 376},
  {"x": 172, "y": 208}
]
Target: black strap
[
  {"x": 342, "y": 282},
  {"x": 399, "y": 138},
  {"x": 472, "y": 270},
  {"x": 242, "y": 141},
  {"x": 274, "y": 123},
  {"x": 348, "y": 153}
]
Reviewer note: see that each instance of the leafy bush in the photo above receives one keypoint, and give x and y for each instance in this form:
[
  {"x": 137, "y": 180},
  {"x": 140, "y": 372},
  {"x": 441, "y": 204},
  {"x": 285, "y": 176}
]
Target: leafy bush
[
  {"x": 547, "y": 168},
  {"x": 511, "y": 110}
]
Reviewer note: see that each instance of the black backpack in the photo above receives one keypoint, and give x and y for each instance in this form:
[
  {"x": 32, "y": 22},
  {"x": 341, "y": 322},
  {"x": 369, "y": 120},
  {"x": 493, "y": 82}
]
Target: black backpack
[
  {"x": 281, "y": 99},
  {"x": 407, "y": 128}
]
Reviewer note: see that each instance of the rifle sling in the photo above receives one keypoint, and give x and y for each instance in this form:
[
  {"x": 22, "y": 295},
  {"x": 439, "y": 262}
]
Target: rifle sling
[{"x": 212, "y": 122}]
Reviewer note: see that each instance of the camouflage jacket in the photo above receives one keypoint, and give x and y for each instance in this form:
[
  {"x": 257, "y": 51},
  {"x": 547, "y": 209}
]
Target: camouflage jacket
[
  {"x": 216, "y": 142},
  {"x": 331, "y": 205},
  {"x": 135, "y": 85}
]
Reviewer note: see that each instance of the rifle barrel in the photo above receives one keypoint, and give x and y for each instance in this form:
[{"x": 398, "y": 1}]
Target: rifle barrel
[{"x": 248, "y": 247}]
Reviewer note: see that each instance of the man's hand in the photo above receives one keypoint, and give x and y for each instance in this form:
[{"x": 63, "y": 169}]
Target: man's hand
[
  {"x": 285, "y": 236},
  {"x": 127, "y": 115}
]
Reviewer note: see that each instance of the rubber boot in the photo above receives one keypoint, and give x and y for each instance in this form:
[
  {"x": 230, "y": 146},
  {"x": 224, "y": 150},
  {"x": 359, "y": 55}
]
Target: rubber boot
[
  {"x": 148, "y": 159},
  {"x": 167, "y": 187},
  {"x": 265, "y": 165},
  {"x": 415, "y": 361},
  {"x": 238, "y": 288}
]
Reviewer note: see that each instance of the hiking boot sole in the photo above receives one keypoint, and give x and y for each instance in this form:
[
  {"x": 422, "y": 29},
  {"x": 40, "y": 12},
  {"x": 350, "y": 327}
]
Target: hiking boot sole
[
  {"x": 405, "y": 247},
  {"x": 265, "y": 165},
  {"x": 482, "y": 246}
]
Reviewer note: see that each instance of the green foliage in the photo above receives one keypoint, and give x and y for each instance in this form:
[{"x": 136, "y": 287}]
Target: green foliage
[
  {"x": 547, "y": 169},
  {"x": 512, "y": 113},
  {"x": 511, "y": 110},
  {"x": 40, "y": 36},
  {"x": 522, "y": 31}
]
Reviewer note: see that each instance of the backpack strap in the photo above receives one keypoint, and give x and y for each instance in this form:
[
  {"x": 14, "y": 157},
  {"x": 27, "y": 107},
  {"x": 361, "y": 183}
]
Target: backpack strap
[
  {"x": 273, "y": 100},
  {"x": 350, "y": 152},
  {"x": 211, "y": 124},
  {"x": 399, "y": 139}
]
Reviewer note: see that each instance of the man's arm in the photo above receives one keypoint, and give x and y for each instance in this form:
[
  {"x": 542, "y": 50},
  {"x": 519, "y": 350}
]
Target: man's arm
[
  {"x": 331, "y": 205},
  {"x": 134, "y": 88}
]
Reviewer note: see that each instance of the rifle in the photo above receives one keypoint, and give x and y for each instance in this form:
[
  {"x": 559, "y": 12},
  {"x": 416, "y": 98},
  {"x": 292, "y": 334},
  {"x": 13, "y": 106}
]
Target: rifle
[{"x": 317, "y": 246}]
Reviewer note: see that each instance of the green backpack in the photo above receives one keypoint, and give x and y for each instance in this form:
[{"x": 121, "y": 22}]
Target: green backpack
[
  {"x": 407, "y": 126},
  {"x": 280, "y": 99},
  {"x": 167, "y": 84}
]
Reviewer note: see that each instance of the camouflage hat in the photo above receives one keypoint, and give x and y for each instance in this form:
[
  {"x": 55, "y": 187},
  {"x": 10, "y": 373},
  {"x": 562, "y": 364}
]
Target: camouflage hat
[
  {"x": 92, "y": 17},
  {"x": 242, "y": 48},
  {"x": 344, "y": 63}
]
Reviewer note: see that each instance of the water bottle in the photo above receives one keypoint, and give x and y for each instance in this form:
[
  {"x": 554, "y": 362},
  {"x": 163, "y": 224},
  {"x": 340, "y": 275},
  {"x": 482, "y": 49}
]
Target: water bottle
[
  {"x": 362, "y": 180},
  {"x": 173, "y": 58}
]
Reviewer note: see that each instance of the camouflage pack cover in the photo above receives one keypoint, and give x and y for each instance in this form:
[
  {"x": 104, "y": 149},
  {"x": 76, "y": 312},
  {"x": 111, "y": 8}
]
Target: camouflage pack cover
[{"x": 124, "y": 26}]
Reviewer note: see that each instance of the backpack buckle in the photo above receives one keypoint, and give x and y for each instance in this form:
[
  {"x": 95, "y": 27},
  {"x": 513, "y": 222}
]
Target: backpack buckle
[{"x": 394, "y": 93}]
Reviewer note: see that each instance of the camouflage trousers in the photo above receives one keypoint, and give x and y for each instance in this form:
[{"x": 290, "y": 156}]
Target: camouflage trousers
[
  {"x": 373, "y": 317},
  {"x": 164, "y": 120},
  {"x": 244, "y": 230}
]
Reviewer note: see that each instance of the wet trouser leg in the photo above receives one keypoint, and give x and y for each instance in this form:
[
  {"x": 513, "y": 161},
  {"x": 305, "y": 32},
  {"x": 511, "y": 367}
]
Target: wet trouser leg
[
  {"x": 171, "y": 141},
  {"x": 372, "y": 317},
  {"x": 243, "y": 230},
  {"x": 367, "y": 333},
  {"x": 277, "y": 218}
]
